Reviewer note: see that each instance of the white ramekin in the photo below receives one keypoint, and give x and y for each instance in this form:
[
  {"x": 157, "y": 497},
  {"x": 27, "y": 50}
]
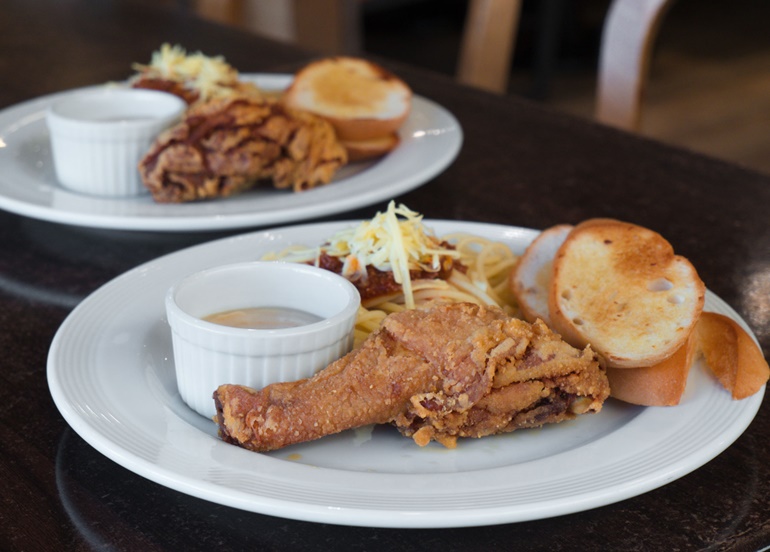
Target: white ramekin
[
  {"x": 207, "y": 355},
  {"x": 99, "y": 136}
]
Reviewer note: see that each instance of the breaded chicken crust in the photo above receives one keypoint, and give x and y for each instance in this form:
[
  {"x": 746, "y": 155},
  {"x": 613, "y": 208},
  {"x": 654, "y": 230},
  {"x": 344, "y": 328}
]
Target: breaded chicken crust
[
  {"x": 448, "y": 371},
  {"x": 225, "y": 146}
]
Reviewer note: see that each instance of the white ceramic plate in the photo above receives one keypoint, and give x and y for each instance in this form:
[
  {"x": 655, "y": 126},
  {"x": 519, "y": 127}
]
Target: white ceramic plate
[
  {"x": 111, "y": 374},
  {"x": 430, "y": 140}
]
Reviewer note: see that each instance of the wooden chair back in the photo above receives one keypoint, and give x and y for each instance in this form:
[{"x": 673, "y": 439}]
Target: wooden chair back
[
  {"x": 487, "y": 42},
  {"x": 629, "y": 33}
]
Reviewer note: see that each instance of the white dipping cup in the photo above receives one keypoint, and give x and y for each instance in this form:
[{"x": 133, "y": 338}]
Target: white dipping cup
[
  {"x": 207, "y": 355},
  {"x": 99, "y": 136}
]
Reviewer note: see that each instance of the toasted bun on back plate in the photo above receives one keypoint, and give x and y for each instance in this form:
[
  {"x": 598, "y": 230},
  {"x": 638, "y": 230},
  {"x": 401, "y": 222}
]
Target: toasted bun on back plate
[
  {"x": 732, "y": 355},
  {"x": 359, "y": 98},
  {"x": 621, "y": 288},
  {"x": 361, "y": 150},
  {"x": 661, "y": 384},
  {"x": 531, "y": 280}
]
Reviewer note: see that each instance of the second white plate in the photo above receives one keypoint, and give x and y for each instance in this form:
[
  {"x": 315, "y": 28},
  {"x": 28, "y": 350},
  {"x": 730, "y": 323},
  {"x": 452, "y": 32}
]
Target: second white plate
[
  {"x": 111, "y": 374},
  {"x": 430, "y": 139}
]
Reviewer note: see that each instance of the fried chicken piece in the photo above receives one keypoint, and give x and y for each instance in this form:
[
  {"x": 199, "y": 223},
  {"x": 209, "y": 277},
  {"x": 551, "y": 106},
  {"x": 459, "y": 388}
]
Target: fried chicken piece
[
  {"x": 449, "y": 371},
  {"x": 225, "y": 146}
]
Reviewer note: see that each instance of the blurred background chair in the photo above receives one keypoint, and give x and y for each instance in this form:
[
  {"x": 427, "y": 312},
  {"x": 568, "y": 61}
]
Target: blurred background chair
[
  {"x": 326, "y": 26},
  {"x": 487, "y": 44},
  {"x": 628, "y": 37},
  {"x": 487, "y": 41},
  {"x": 590, "y": 58}
]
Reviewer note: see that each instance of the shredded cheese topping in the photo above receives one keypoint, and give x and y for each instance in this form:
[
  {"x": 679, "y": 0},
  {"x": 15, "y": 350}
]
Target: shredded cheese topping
[
  {"x": 211, "y": 76},
  {"x": 394, "y": 241}
]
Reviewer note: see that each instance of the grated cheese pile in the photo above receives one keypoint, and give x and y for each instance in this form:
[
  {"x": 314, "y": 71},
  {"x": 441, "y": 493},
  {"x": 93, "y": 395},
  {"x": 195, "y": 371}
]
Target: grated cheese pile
[
  {"x": 395, "y": 240},
  {"x": 211, "y": 76}
]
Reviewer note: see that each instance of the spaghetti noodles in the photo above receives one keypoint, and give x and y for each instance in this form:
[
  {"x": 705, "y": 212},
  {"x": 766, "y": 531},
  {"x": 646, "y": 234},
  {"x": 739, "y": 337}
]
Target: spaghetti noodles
[{"x": 457, "y": 267}]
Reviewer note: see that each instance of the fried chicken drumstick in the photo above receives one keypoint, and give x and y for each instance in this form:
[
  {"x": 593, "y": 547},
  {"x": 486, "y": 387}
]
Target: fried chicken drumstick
[{"x": 450, "y": 371}]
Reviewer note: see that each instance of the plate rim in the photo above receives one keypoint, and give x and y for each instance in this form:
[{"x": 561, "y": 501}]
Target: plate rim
[
  {"x": 403, "y": 518},
  {"x": 336, "y": 203}
]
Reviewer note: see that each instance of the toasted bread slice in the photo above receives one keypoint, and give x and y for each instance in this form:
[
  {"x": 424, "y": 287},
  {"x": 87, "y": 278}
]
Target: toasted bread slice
[
  {"x": 359, "y": 98},
  {"x": 621, "y": 288},
  {"x": 661, "y": 384},
  {"x": 531, "y": 281},
  {"x": 364, "y": 150},
  {"x": 732, "y": 355}
]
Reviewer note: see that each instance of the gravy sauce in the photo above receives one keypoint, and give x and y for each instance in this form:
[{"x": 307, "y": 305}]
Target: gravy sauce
[{"x": 263, "y": 318}]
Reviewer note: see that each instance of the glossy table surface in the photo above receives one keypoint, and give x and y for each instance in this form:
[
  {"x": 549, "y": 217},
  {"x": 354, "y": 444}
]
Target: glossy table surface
[{"x": 520, "y": 164}]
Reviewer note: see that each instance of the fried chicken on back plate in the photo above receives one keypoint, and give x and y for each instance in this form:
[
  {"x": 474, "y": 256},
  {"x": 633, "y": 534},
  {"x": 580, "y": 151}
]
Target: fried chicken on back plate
[
  {"x": 225, "y": 146},
  {"x": 455, "y": 370}
]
